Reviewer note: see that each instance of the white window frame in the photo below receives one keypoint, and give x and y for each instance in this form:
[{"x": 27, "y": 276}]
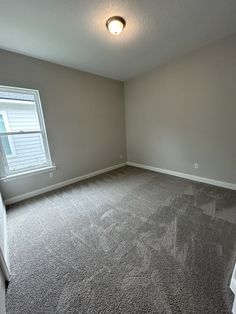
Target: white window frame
[
  {"x": 42, "y": 130},
  {"x": 10, "y": 139}
]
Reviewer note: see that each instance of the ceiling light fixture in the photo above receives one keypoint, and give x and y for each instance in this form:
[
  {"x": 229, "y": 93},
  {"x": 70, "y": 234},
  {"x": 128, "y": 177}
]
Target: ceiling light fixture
[{"x": 115, "y": 25}]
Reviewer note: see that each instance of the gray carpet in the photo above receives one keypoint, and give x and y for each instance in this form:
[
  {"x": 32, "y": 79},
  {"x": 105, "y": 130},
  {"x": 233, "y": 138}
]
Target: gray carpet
[{"x": 129, "y": 241}]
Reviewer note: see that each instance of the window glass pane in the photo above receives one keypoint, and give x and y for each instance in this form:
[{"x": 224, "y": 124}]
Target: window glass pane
[
  {"x": 30, "y": 153},
  {"x": 25, "y": 147},
  {"x": 2, "y": 125},
  {"x": 16, "y": 95},
  {"x": 21, "y": 111},
  {"x": 5, "y": 139}
]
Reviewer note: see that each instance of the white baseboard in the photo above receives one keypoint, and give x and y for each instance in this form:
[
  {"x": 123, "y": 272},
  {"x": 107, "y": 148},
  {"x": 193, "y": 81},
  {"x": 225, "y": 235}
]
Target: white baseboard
[
  {"x": 95, "y": 173},
  {"x": 223, "y": 184},
  {"x": 60, "y": 184}
]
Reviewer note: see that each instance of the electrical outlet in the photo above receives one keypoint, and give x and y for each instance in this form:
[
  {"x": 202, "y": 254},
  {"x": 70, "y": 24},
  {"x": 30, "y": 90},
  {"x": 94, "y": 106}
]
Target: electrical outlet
[
  {"x": 196, "y": 165},
  {"x": 51, "y": 175}
]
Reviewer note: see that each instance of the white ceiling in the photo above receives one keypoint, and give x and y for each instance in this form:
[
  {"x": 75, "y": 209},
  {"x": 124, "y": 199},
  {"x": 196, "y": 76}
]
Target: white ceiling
[{"x": 73, "y": 32}]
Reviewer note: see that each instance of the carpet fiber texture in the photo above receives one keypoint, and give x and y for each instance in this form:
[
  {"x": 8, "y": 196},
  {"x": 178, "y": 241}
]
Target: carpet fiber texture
[{"x": 129, "y": 241}]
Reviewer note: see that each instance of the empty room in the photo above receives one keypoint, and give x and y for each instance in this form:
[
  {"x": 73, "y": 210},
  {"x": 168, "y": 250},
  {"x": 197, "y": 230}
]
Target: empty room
[{"x": 118, "y": 156}]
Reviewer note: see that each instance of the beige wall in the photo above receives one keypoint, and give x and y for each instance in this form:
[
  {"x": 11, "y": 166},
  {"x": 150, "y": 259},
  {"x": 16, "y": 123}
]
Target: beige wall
[
  {"x": 178, "y": 114},
  {"x": 84, "y": 116},
  {"x": 185, "y": 112}
]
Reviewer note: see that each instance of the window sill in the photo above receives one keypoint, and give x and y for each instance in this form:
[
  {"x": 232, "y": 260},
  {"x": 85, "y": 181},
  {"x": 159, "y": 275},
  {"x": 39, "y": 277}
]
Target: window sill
[{"x": 28, "y": 173}]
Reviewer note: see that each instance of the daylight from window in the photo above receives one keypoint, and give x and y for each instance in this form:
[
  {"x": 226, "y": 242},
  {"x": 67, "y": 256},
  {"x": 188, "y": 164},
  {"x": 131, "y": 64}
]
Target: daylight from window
[{"x": 23, "y": 141}]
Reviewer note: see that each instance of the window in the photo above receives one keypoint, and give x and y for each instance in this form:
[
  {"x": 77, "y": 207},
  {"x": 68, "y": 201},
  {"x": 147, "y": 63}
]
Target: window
[
  {"x": 6, "y": 141},
  {"x": 23, "y": 140}
]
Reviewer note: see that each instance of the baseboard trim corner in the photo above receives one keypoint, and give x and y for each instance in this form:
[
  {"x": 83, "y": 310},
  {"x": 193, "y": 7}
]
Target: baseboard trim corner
[
  {"x": 49, "y": 188},
  {"x": 222, "y": 184}
]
